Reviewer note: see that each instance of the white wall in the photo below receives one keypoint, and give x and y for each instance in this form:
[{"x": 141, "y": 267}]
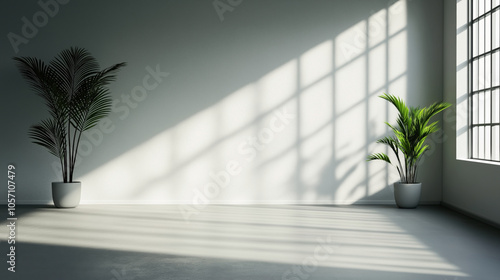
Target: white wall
[
  {"x": 469, "y": 186},
  {"x": 324, "y": 62}
]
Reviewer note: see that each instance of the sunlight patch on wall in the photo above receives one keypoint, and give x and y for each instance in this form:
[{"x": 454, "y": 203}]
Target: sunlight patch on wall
[
  {"x": 398, "y": 57},
  {"x": 277, "y": 87},
  {"x": 371, "y": 58},
  {"x": 377, "y": 25},
  {"x": 462, "y": 90},
  {"x": 316, "y": 136},
  {"x": 397, "y": 17},
  {"x": 316, "y": 118},
  {"x": 350, "y": 86},
  {"x": 377, "y": 68},
  {"x": 351, "y": 113},
  {"x": 316, "y": 63},
  {"x": 298, "y": 134},
  {"x": 350, "y": 44},
  {"x": 251, "y": 126}
]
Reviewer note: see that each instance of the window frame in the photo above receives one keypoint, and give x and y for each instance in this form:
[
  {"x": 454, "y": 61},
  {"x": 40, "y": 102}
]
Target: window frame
[{"x": 475, "y": 92}]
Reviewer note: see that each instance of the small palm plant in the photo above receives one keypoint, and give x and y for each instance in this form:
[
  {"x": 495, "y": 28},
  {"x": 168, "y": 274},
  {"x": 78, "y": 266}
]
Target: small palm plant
[
  {"x": 409, "y": 136},
  {"x": 76, "y": 94}
]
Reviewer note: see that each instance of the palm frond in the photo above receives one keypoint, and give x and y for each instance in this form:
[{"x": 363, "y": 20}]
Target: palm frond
[
  {"x": 92, "y": 101},
  {"x": 379, "y": 156},
  {"x": 50, "y": 135}
]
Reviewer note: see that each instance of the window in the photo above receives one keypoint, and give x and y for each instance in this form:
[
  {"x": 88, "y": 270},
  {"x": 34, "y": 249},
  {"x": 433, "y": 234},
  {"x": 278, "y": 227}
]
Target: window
[{"x": 484, "y": 79}]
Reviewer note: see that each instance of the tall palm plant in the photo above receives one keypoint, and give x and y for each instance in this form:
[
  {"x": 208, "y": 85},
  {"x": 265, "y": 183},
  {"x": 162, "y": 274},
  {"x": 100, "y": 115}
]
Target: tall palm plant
[
  {"x": 76, "y": 94},
  {"x": 409, "y": 136}
]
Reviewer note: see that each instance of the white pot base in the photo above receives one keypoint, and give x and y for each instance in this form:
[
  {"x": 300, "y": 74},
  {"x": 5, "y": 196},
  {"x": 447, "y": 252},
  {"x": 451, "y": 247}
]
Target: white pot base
[
  {"x": 407, "y": 195},
  {"x": 66, "y": 195}
]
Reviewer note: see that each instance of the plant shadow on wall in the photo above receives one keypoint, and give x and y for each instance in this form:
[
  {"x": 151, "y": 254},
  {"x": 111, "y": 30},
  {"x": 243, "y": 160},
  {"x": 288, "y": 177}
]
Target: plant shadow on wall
[{"x": 316, "y": 156}]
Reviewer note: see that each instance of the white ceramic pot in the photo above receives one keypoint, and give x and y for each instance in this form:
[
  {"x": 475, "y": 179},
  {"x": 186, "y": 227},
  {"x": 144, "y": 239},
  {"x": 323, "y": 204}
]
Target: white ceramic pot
[
  {"x": 66, "y": 195},
  {"x": 407, "y": 195}
]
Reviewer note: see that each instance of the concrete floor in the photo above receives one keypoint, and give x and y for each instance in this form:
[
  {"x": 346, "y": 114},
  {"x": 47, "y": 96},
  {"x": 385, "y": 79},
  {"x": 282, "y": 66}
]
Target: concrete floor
[{"x": 117, "y": 242}]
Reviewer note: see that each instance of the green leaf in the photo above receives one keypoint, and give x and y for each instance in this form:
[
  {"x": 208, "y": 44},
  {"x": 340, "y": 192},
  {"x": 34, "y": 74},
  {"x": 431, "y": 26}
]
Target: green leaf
[
  {"x": 379, "y": 156},
  {"x": 50, "y": 135}
]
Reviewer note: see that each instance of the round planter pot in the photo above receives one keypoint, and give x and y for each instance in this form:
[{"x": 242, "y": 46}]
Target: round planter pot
[
  {"x": 407, "y": 195},
  {"x": 66, "y": 195}
]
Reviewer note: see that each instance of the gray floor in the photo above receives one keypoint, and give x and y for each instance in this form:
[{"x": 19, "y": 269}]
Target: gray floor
[{"x": 116, "y": 242}]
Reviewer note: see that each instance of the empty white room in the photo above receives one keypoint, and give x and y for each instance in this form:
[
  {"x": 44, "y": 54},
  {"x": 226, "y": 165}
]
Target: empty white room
[{"x": 250, "y": 139}]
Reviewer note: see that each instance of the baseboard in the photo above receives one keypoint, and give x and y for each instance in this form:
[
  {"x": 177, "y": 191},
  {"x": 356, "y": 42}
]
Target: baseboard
[
  {"x": 470, "y": 214},
  {"x": 430, "y": 203},
  {"x": 220, "y": 202},
  {"x": 32, "y": 202},
  {"x": 229, "y": 202}
]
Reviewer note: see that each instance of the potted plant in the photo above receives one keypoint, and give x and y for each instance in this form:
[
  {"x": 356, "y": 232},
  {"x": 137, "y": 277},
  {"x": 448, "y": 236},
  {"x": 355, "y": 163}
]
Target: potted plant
[
  {"x": 409, "y": 140},
  {"x": 76, "y": 94}
]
